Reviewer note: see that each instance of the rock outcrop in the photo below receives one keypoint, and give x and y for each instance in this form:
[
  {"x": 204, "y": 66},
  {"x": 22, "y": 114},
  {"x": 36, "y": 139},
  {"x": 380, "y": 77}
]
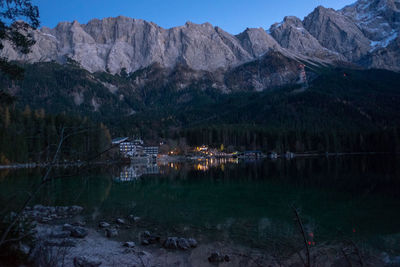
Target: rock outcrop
[
  {"x": 292, "y": 35},
  {"x": 379, "y": 20},
  {"x": 337, "y": 32}
]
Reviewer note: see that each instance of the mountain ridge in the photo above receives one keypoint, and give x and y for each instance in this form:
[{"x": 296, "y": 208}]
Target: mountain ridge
[{"x": 122, "y": 43}]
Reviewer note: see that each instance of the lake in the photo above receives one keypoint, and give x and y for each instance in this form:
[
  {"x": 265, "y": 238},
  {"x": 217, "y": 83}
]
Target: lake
[{"x": 246, "y": 203}]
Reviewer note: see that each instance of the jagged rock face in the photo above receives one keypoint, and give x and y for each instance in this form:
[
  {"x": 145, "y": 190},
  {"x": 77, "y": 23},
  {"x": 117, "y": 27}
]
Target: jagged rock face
[
  {"x": 115, "y": 43},
  {"x": 292, "y": 35},
  {"x": 257, "y": 42},
  {"x": 364, "y": 33},
  {"x": 337, "y": 32},
  {"x": 378, "y": 19},
  {"x": 271, "y": 70},
  {"x": 387, "y": 57}
]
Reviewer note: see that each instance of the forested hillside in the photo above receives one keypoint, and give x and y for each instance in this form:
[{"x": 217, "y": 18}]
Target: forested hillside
[
  {"x": 342, "y": 110},
  {"x": 33, "y": 136}
]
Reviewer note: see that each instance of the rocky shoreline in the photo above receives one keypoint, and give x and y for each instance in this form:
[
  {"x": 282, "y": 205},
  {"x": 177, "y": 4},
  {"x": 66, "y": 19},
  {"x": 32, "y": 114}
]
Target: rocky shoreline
[
  {"x": 62, "y": 238},
  {"x": 76, "y": 244}
]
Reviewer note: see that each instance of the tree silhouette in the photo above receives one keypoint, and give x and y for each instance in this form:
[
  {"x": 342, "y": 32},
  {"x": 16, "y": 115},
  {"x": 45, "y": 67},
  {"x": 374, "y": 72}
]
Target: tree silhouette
[{"x": 17, "y": 19}]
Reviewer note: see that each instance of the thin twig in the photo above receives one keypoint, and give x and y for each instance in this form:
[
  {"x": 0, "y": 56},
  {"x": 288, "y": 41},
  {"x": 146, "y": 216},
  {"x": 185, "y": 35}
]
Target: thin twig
[{"x": 300, "y": 223}]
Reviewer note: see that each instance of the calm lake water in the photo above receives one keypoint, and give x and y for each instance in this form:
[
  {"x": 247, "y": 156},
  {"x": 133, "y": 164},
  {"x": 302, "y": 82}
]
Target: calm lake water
[{"x": 247, "y": 203}]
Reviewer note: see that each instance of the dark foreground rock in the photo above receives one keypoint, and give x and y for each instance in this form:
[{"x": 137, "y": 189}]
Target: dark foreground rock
[
  {"x": 45, "y": 214},
  {"x": 79, "y": 232},
  {"x": 111, "y": 232},
  {"x": 180, "y": 243},
  {"x": 217, "y": 257},
  {"x": 147, "y": 238},
  {"x": 129, "y": 244},
  {"x": 104, "y": 225}
]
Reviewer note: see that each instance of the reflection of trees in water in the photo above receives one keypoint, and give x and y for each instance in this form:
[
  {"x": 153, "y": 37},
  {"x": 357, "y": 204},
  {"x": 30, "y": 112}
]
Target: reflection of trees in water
[{"x": 4, "y": 173}]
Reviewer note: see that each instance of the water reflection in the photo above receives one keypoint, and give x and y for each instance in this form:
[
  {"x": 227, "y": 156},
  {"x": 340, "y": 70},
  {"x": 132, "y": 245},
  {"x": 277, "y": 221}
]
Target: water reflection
[
  {"x": 135, "y": 171},
  {"x": 245, "y": 202}
]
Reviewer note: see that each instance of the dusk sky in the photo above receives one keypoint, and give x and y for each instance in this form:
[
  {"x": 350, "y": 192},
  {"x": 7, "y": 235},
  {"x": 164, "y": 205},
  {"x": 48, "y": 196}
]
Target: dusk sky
[{"x": 231, "y": 15}]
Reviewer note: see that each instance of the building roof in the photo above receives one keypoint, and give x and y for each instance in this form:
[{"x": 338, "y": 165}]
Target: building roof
[{"x": 119, "y": 140}]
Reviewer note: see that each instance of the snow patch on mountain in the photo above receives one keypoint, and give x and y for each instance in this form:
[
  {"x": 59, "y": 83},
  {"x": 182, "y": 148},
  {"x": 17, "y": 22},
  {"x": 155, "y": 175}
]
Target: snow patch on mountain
[{"x": 385, "y": 42}]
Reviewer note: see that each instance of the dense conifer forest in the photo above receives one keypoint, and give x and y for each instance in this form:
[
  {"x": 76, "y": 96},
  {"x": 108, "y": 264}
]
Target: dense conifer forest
[
  {"x": 33, "y": 136},
  {"x": 342, "y": 110}
]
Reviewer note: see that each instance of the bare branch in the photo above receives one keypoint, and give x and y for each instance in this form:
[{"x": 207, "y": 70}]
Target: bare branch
[{"x": 300, "y": 223}]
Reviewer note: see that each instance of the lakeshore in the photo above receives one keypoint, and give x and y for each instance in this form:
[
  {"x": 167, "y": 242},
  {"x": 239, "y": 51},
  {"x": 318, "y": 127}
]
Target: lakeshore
[{"x": 236, "y": 208}]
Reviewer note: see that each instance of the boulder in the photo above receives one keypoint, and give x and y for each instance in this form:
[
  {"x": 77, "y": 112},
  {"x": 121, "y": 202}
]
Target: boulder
[
  {"x": 148, "y": 238},
  {"x": 67, "y": 227},
  {"x": 171, "y": 243},
  {"x": 129, "y": 244},
  {"x": 216, "y": 257},
  {"x": 104, "y": 225},
  {"x": 79, "y": 232},
  {"x": 111, "y": 232},
  {"x": 120, "y": 221},
  {"x": 183, "y": 243},
  {"x": 192, "y": 242}
]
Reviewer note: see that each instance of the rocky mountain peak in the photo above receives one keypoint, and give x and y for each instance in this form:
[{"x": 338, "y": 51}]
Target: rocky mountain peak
[
  {"x": 292, "y": 35},
  {"x": 364, "y": 33},
  {"x": 256, "y": 41},
  {"x": 337, "y": 32},
  {"x": 378, "y": 19}
]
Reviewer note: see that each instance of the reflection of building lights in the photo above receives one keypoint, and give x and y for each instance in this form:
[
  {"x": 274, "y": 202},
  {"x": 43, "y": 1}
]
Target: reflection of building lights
[{"x": 201, "y": 167}]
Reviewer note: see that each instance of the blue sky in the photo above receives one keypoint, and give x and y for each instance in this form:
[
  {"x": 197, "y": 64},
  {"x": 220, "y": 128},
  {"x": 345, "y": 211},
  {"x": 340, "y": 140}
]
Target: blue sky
[{"x": 231, "y": 15}]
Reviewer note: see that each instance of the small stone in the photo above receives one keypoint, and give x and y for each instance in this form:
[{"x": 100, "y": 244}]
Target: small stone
[
  {"x": 129, "y": 244},
  {"x": 192, "y": 242},
  {"x": 120, "y": 221},
  {"x": 67, "y": 227},
  {"x": 111, "y": 232},
  {"x": 39, "y": 207},
  {"x": 79, "y": 223},
  {"x": 85, "y": 262},
  {"x": 145, "y": 242},
  {"x": 146, "y": 234},
  {"x": 183, "y": 244},
  {"x": 44, "y": 219},
  {"x": 216, "y": 257},
  {"x": 134, "y": 218},
  {"x": 24, "y": 249},
  {"x": 79, "y": 232},
  {"x": 75, "y": 209},
  {"x": 104, "y": 225}
]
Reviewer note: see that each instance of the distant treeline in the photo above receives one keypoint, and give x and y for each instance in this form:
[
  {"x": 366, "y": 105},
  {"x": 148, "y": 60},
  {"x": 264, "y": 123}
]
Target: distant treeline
[
  {"x": 251, "y": 138},
  {"x": 33, "y": 136}
]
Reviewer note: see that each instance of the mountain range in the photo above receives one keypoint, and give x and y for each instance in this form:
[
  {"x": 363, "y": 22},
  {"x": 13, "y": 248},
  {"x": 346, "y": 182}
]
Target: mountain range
[{"x": 364, "y": 34}]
